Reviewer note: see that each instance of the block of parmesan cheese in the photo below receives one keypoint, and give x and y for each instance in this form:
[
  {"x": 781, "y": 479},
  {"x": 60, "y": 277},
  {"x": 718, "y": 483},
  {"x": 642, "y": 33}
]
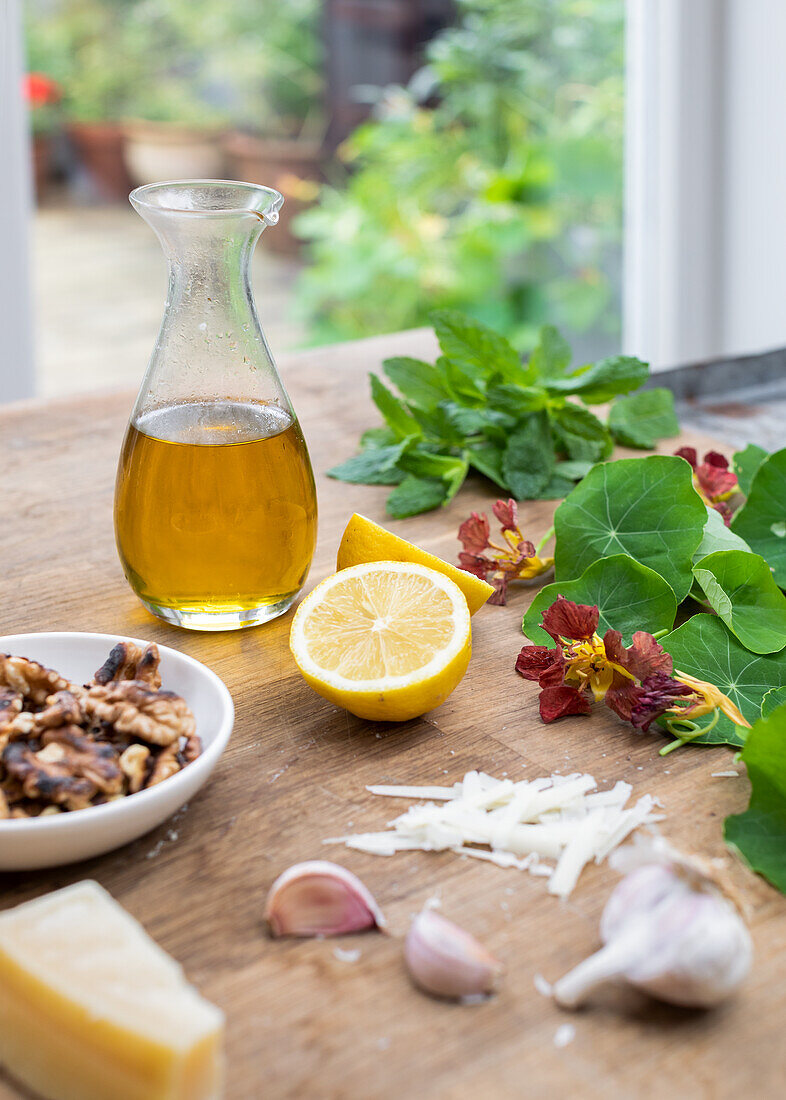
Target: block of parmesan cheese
[{"x": 91, "y": 1008}]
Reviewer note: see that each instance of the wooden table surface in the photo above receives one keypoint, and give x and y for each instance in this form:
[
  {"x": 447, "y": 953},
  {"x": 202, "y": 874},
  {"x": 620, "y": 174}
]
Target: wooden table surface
[{"x": 301, "y": 1022}]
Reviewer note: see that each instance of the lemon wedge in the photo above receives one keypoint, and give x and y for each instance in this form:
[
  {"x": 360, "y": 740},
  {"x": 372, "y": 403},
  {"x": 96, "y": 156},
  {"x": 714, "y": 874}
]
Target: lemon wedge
[
  {"x": 384, "y": 640},
  {"x": 363, "y": 540}
]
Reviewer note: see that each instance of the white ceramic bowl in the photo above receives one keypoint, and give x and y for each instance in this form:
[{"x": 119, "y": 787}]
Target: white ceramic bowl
[{"x": 28, "y": 844}]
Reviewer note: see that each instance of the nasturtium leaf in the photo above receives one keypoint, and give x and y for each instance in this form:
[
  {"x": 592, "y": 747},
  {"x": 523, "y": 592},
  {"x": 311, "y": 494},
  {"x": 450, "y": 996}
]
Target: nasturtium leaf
[
  {"x": 774, "y": 698},
  {"x": 583, "y": 435},
  {"x": 629, "y": 597},
  {"x": 745, "y": 464},
  {"x": 394, "y": 412},
  {"x": 644, "y": 507},
  {"x": 528, "y": 462},
  {"x": 717, "y": 536},
  {"x": 479, "y": 351},
  {"x": 740, "y": 589},
  {"x": 641, "y": 419},
  {"x": 414, "y": 495},
  {"x": 374, "y": 466},
  {"x": 759, "y": 834},
  {"x": 551, "y": 356},
  {"x": 705, "y": 648},
  {"x": 603, "y": 380},
  {"x": 762, "y": 519},
  {"x": 421, "y": 384}
]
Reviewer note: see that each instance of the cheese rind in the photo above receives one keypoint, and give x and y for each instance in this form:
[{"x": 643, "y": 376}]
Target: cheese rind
[{"x": 91, "y": 1008}]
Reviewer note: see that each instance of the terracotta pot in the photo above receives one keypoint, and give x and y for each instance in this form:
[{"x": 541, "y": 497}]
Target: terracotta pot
[
  {"x": 167, "y": 151},
  {"x": 99, "y": 146},
  {"x": 281, "y": 164},
  {"x": 42, "y": 163}
]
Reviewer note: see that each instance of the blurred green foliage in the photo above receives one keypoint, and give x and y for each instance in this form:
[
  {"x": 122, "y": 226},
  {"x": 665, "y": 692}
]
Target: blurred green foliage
[
  {"x": 492, "y": 184},
  {"x": 255, "y": 63}
]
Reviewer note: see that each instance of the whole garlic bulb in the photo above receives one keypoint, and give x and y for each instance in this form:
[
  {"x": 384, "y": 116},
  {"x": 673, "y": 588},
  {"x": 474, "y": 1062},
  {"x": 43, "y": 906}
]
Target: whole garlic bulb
[{"x": 669, "y": 930}]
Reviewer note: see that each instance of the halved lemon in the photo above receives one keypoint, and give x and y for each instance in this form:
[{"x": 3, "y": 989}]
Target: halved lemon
[
  {"x": 384, "y": 640},
  {"x": 363, "y": 540}
]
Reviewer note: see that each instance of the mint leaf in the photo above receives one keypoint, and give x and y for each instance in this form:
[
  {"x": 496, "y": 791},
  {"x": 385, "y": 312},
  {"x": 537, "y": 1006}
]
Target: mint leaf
[
  {"x": 740, "y": 589},
  {"x": 745, "y": 463},
  {"x": 487, "y": 459},
  {"x": 762, "y": 519},
  {"x": 551, "y": 356},
  {"x": 374, "y": 466},
  {"x": 415, "y": 495},
  {"x": 641, "y": 419},
  {"x": 644, "y": 507},
  {"x": 573, "y": 470},
  {"x": 478, "y": 350},
  {"x": 394, "y": 412},
  {"x": 528, "y": 462},
  {"x": 377, "y": 437},
  {"x": 759, "y": 834},
  {"x": 420, "y": 383},
  {"x": 628, "y": 595},
  {"x": 704, "y": 647},
  {"x": 516, "y": 400},
  {"x": 452, "y": 469},
  {"x": 581, "y": 434},
  {"x": 603, "y": 380}
]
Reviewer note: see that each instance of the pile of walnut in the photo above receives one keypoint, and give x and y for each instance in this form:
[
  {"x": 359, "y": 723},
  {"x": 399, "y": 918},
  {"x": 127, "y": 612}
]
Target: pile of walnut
[{"x": 66, "y": 747}]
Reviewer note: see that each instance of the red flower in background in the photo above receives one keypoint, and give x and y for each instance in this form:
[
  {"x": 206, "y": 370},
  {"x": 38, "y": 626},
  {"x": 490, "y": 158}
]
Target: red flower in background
[
  {"x": 712, "y": 479},
  {"x": 517, "y": 560},
  {"x": 40, "y": 90}
]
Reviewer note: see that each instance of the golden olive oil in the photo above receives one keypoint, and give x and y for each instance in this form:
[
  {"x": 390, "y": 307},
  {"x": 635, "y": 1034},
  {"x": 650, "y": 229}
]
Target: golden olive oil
[{"x": 215, "y": 511}]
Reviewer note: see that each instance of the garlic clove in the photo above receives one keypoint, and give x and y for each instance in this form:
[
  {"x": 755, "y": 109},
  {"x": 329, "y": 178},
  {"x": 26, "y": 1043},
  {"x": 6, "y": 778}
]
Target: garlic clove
[
  {"x": 446, "y": 961},
  {"x": 319, "y": 898},
  {"x": 669, "y": 930}
]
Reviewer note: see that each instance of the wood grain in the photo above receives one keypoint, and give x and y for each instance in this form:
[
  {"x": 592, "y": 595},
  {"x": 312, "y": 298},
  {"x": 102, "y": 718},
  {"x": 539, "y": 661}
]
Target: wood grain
[{"x": 301, "y": 1022}]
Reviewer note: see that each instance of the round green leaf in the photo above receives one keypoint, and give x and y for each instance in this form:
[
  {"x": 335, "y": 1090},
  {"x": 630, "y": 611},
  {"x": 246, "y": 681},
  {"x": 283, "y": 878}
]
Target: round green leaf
[
  {"x": 740, "y": 588},
  {"x": 705, "y": 648},
  {"x": 644, "y": 507},
  {"x": 774, "y": 698},
  {"x": 759, "y": 834},
  {"x": 629, "y": 597},
  {"x": 717, "y": 536},
  {"x": 762, "y": 519}
]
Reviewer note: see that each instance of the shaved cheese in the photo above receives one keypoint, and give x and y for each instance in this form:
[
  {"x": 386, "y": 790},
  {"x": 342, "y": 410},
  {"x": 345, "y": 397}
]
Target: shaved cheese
[
  {"x": 513, "y": 825},
  {"x": 413, "y": 792}
]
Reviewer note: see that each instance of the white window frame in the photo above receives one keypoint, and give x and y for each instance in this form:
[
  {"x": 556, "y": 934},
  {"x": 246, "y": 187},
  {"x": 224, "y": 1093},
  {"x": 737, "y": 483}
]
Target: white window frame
[{"x": 16, "y": 359}]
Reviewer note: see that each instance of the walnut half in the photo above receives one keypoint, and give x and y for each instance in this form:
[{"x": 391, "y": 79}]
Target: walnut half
[
  {"x": 127, "y": 661},
  {"x": 157, "y": 717}
]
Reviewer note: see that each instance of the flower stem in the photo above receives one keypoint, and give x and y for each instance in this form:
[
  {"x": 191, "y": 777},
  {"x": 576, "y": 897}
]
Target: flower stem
[
  {"x": 549, "y": 534},
  {"x": 660, "y": 634},
  {"x": 686, "y": 731}
]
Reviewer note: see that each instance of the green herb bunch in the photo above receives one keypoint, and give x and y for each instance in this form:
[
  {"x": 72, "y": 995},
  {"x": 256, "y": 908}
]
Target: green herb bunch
[{"x": 480, "y": 408}]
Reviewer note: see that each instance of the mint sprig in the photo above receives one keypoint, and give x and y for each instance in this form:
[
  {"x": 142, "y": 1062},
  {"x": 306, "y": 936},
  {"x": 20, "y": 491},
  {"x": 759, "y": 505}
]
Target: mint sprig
[{"x": 525, "y": 426}]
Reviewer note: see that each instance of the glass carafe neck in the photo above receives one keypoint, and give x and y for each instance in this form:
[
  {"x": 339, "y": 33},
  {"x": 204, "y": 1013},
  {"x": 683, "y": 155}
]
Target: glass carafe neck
[{"x": 211, "y": 343}]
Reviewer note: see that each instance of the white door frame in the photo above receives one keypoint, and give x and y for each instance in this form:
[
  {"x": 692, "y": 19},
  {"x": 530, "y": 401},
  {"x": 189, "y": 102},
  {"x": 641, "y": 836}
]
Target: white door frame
[{"x": 16, "y": 353}]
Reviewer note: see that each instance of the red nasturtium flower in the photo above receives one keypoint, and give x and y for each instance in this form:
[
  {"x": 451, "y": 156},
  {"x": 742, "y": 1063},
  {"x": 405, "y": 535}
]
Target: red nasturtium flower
[
  {"x": 713, "y": 480},
  {"x": 517, "y": 560},
  {"x": 637, "y": 682},
  {"x": 40, "y": 90}
]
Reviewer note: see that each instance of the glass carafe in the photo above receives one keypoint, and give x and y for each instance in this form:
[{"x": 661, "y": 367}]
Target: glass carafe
[{"x": 215, "y": 506}]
